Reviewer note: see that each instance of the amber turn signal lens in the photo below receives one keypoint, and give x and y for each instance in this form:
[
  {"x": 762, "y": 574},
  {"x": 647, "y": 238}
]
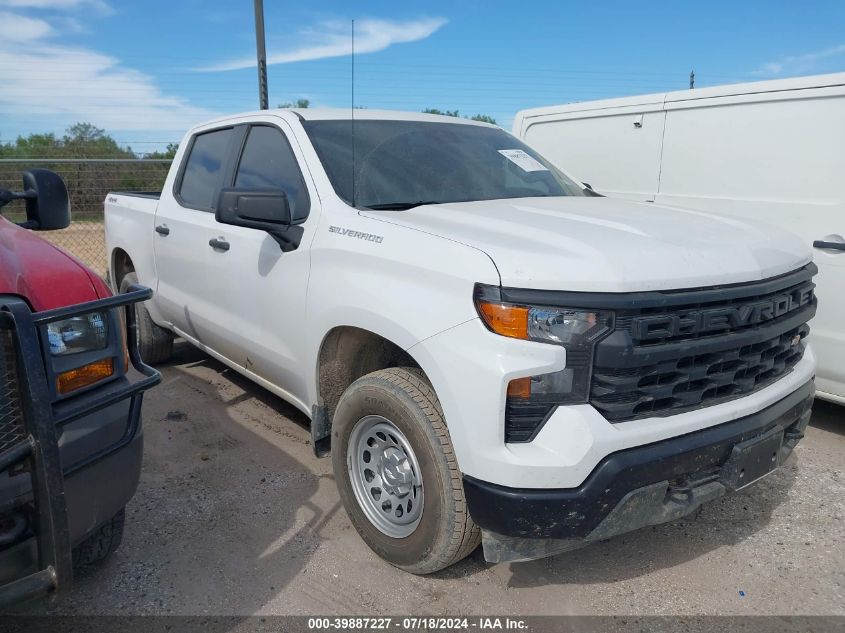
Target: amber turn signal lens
[
  {"x": 520, "y": 388},
  {"x": 504, "y": 319},
  {"x": 75, "y": 379}
]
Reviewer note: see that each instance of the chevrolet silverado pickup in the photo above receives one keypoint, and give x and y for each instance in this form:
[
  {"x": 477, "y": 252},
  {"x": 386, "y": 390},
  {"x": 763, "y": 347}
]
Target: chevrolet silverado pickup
[
  {"x": 71, "y": 384},
  {"x": 491, "y": 352}
]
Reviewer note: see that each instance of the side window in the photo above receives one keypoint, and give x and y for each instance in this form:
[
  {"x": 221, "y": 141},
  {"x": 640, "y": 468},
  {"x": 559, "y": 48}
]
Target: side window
[
  {"x": 201, "y": 177},
  {"x": 268, "y": 162}
]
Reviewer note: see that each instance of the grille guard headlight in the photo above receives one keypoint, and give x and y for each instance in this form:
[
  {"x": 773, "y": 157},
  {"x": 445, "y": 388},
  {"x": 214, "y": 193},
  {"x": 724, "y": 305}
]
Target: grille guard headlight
[
  {"x": 83, "y": 350},
  {"x": 78, "y": 334}
]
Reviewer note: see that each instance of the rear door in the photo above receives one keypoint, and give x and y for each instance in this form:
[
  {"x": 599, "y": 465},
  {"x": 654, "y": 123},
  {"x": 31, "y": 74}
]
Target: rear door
[{"x": 188, "y": 291}]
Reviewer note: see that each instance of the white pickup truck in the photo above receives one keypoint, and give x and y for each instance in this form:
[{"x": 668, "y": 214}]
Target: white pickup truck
[{"x": 491, "y": 351}]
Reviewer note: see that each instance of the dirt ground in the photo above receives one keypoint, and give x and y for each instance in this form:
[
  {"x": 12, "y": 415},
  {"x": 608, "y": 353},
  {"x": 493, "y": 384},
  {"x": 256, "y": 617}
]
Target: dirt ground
[{"x": 236, "y": 516}]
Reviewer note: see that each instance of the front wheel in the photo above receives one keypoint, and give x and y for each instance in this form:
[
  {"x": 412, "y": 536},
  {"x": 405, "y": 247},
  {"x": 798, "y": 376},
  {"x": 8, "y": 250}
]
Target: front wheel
[
  {"x": 397, "y": 474},
  {"x": 101, "y": 543}
]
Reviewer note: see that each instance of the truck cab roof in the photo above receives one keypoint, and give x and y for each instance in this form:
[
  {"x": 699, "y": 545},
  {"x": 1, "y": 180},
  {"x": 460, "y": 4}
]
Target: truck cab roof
[{"x": 342, "y": 114}]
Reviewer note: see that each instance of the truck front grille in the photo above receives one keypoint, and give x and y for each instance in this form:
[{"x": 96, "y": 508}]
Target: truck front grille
[
  {"x": 11, "y": 415},
  {"x": 681, "y": 351}
]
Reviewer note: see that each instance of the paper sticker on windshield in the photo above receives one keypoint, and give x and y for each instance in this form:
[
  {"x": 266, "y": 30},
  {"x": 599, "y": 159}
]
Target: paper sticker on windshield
[{"x": 523, "y": 160}]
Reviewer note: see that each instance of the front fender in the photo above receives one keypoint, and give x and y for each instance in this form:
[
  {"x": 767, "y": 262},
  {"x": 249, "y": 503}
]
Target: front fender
[{"x": 406, "y": 288}]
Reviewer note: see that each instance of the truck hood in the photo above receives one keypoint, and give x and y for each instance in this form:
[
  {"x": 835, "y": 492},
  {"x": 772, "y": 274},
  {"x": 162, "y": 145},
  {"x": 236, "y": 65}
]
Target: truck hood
[
  {"x": 608, "y": 244},
  {"x": 44, "y": 275}
]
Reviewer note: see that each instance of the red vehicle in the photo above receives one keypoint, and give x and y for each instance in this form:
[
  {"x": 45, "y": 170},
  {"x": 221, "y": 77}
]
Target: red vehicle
[{"x": 71, "y": 384}]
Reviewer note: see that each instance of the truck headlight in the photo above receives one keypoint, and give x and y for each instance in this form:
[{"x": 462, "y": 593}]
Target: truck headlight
[
  {"x": 568, "y": 327},
  {"x": 86, "y": 333},
  {"x": 531, "y": 399},
  {"x": 82, "y": 351}
]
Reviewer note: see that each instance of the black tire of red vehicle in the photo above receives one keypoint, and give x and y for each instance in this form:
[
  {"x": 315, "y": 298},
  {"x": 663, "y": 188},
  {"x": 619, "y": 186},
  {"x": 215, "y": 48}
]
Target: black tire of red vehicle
[
  {"x": 101, "y": 543},
  {"x": 445, "y": 533},
  {"x": 154, "y": 342}
]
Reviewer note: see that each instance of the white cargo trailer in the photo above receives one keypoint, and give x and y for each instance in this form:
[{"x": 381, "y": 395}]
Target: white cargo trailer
[{"x": 770, "y": 151}]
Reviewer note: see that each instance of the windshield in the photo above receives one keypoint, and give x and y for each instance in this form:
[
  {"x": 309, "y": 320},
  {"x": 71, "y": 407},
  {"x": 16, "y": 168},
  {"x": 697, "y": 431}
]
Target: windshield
[{"x": 402, "y": 164}]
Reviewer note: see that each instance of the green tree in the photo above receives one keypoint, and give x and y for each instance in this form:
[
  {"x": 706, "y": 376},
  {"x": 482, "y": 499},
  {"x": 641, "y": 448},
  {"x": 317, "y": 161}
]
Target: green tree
[
  {"x": 299, "y": 103},
  {"x": 484, "y": 118},
  {"x": 441, "y": 112},
  {"x": 87, "y": 181},
  {"x": 84, "y": 140},
  {"x": 33, "y": 146},
  {"x": 168, "y": 153},
  {"x": 85, "y": 133}
]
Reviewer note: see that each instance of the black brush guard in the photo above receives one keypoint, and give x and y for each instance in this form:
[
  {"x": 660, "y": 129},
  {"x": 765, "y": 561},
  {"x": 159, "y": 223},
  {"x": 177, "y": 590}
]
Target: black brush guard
[{"x": 37, "y": 448}]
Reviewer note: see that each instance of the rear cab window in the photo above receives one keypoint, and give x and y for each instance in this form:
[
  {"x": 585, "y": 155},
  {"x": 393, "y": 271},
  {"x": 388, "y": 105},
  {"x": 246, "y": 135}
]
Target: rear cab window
[{"x": 204, "y": 169}]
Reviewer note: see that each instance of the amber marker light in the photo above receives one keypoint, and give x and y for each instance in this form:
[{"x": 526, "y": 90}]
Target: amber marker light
[
  {"x": 520, "y": 388},
  {"x": 505, "y": 319},
  {"x": 75, "y": 379}
]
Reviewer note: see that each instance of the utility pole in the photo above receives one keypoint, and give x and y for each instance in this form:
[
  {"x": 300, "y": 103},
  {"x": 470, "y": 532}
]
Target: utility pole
[
  {"x": 262, "y": 54},
  {"x": 691, "y": 79}
]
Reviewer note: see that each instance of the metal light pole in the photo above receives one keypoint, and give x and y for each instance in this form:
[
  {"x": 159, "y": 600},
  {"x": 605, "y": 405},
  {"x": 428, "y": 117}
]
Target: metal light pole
[{"x": 262, "y": 54}]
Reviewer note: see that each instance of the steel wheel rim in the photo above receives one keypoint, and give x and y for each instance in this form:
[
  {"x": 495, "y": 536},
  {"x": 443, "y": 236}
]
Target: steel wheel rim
[{"x": 385, "y": 476}]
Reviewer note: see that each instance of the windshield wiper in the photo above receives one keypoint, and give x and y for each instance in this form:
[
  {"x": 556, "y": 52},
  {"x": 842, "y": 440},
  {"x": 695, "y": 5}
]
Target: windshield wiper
[{"x": 400, "y": 206}]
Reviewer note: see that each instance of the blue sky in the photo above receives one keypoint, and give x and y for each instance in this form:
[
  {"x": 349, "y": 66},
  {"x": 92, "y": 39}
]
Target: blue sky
[{"x": 145, "y": 70}]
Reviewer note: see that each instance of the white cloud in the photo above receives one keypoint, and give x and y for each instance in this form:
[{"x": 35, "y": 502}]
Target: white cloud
[
  {"x": 55, "y": 4},
  {"x": 793, "y": 64},
  {"x": 63, "y": 84},
  {"x": 333, "y": 39},
  {"x": 20, "y": 29}
]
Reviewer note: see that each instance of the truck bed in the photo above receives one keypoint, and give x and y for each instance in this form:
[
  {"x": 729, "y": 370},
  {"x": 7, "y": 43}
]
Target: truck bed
[
  {"x": 155, "y": 195},
  {"x": 129, "y": 224}
]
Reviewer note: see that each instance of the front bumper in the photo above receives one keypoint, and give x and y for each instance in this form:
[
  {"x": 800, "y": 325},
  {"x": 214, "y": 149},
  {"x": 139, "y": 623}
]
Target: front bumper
[
  {"x": 631, "y": 488},
  {"x": 67, "y": 466}
]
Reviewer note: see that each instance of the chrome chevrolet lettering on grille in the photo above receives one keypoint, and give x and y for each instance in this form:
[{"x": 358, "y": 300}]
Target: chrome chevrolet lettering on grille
[{"x": 722, "y": 318}]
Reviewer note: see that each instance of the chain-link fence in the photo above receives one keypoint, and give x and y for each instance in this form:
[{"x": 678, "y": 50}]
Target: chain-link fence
[{"x": 88, "y": 181}]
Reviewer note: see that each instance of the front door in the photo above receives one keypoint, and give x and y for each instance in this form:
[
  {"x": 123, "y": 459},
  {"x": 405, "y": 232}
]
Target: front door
[{"x": 259, "y": 290}]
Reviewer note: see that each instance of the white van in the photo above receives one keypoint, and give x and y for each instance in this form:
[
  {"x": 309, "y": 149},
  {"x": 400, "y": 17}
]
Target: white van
[{"x": 770, "y": 151}]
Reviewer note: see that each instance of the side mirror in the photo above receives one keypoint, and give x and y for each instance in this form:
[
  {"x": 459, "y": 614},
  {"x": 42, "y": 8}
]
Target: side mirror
[
  {"x": 47, "y": 202},
  {"x": 264, "y": 209},
  {"x": 49, "y": 209}
]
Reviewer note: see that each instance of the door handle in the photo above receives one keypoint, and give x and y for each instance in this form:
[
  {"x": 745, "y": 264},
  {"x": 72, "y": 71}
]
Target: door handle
[
  {"x": 838, "y": 246},
  {"x": 162, "y": 229},
  {"x": 219, "y": 244}
]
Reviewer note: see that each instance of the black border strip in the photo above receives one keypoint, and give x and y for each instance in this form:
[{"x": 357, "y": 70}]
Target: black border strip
[{"x": 651, "y": 299}]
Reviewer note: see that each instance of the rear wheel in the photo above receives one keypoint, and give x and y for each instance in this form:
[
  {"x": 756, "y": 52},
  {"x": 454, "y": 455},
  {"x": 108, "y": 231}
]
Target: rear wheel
[
  {"x": 154, "y": 342},
  {"x": 397, "y": 473}
]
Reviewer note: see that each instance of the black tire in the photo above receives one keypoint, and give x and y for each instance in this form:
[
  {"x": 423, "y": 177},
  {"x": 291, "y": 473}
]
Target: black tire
[
  {"x": 445, "y": 533},
  {"x": 154, "y": 342},
  {"x": 101, "y": 543}
]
